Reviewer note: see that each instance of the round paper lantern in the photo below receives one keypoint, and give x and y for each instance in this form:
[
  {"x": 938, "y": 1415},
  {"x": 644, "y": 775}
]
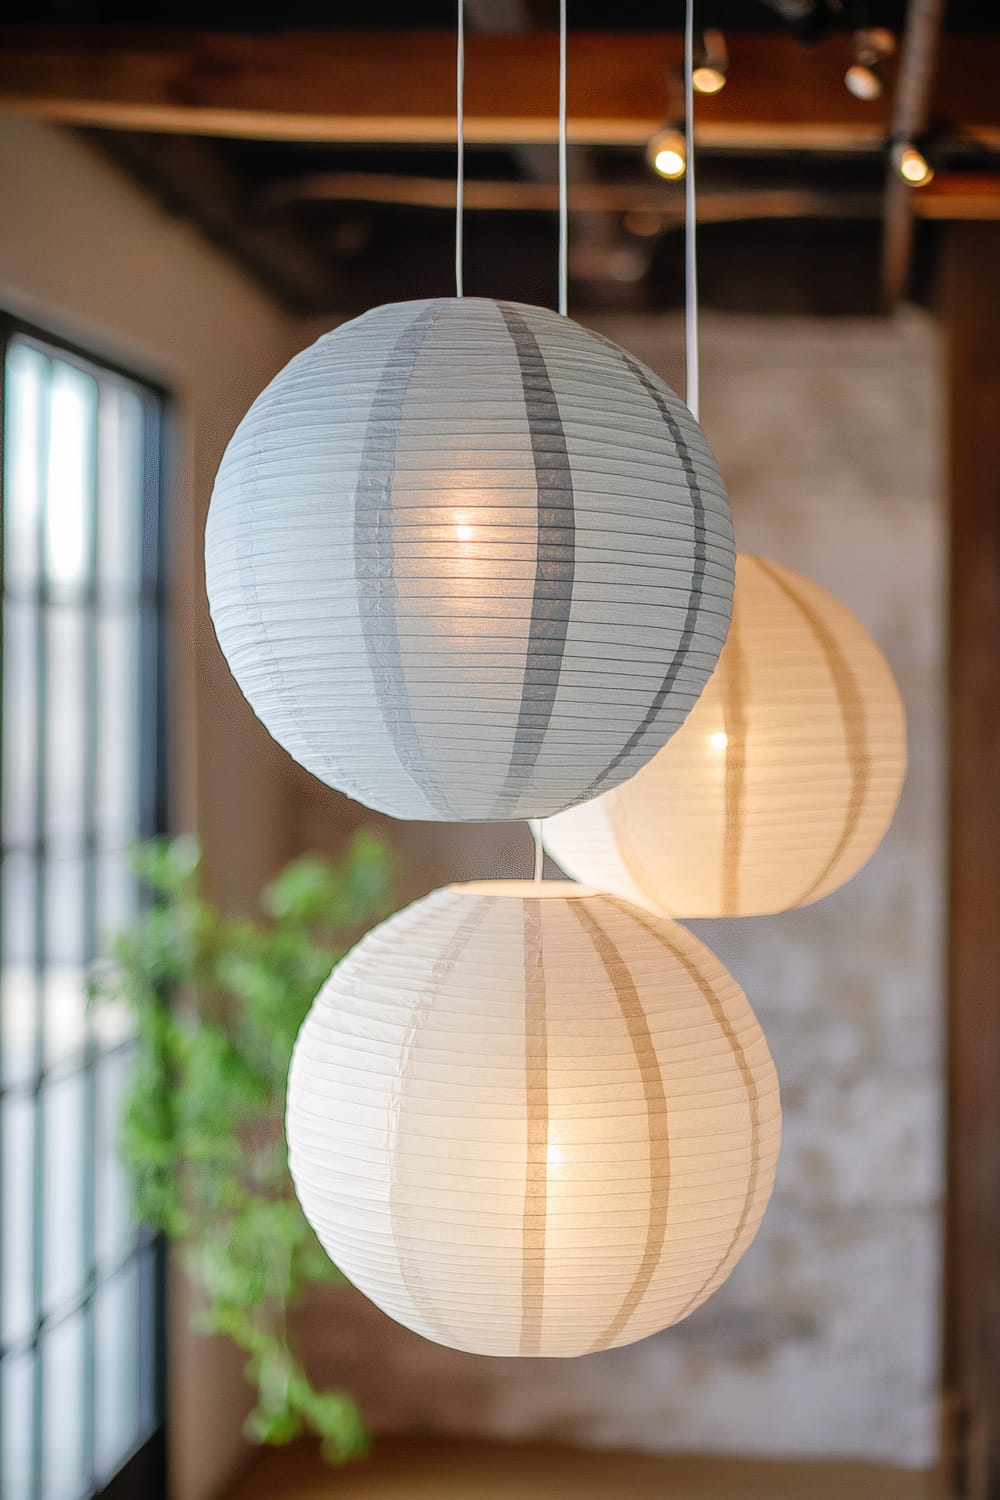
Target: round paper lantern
[
  {"x": 467, "y": 560},
  {"x": 782, "y": 781},
  {"x": 532, "y": 1119}
]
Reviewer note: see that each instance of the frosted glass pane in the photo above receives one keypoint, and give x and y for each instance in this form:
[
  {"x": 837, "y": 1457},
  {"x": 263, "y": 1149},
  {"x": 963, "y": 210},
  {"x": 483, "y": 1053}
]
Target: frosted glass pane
[
  {"x": 65, "y": 709},
  {"x": 64, "y": 1264},
  {"x": 15, "y": 1428},
  {"x": 17, "y": 1113},
  {"x": 121, "y": 438},
  {"x": 63, "y": 1464},
  {"x": 117, "y": 896},
  {"x": 116, "y": 1312},
  {"x": 114, "y": 1226},
  {"x": 26, "y": 377},
  {"x": 118, "y": 727},
  {"x": 70, "y": 497},
  {"x": 65, "y": 937},
  {"x": 64, "y": 997},
  {"x": 20, "y": 756},
  {"x": 17, "y": 878}
]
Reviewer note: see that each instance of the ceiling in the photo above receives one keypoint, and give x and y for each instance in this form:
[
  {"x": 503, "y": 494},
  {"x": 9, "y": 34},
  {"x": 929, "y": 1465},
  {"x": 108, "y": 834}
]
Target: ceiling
[{"x": 321, "y": 156}]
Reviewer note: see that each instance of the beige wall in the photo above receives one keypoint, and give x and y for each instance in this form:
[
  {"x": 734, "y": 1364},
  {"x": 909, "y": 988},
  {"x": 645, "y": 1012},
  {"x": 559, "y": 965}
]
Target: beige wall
[{"x": 86, "y": 254}]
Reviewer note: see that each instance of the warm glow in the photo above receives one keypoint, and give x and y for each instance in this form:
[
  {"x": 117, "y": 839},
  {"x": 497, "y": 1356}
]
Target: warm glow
[
  {"x": 719, "y": 740},
  {"x": 465, "y": 533},
  {"x": 913, "y": 166},
  {"x": 667, "y": 153},
  {"x": 532, "y": 1125},
  {"x": 862, "y": 80},
  {"x": 669, "y": 163},
  {"x": 708, "y": 79}
]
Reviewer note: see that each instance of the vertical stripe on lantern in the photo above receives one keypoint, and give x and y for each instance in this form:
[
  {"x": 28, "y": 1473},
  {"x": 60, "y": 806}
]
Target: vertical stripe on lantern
[
  {"x": 374, "y": 555},
  {"x": 680, "y": 654},
  {"x": 401, "y": 1217},
  {"x": 555, "y": 544},
  {"x": 720, "y": 1270},
  {"x": 536, "y": 1064},
  {"x": 852, "y": 714},
  {"x": 734, "y": 715},
  {"x": 657, "y": 1127}
]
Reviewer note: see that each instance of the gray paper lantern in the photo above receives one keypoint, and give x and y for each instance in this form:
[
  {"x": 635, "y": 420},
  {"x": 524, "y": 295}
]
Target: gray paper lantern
[{"x": 468, "y": 560}]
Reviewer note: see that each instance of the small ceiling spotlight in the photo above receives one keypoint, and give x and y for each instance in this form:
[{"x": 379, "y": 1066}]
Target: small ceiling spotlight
[
  {"x": 667, "y": 152},
  {"x": 911, "y": 164},
  {"x": 711, "y": 63},
  {"x": 864, "y": 78}
]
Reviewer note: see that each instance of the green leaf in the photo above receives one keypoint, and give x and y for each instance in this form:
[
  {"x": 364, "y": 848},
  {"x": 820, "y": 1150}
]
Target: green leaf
[{"x": 201, "y": 1128}]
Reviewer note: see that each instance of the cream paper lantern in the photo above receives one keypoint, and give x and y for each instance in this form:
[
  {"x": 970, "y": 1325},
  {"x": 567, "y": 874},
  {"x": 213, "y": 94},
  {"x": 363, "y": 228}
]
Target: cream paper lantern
[
  {"x": 782, "y": 781},
  {"x": 467, "y": 560},
  {"x": 528, "y": 1118}
]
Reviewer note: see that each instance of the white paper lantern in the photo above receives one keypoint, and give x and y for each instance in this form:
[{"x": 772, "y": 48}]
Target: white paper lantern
[
  {"x": 780, "y": 785},
  {"x": 532, "y": 1119},
  {"x": 467, "y": 560}
]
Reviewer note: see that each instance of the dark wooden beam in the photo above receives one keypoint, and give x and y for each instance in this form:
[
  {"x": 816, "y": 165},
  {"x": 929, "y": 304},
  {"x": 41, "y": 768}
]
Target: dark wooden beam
[
  {"x": 385, "y": 86},
  {"x": 714, "y": 206},
  {"x": 191, "y": 178},
  {"x": 972, "y": 1336}
]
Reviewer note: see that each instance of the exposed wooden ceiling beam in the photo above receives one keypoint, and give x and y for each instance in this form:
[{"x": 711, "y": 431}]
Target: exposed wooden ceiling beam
[
  {"x": 371, "y": 87},
  {"x": 193, "y": 179},
  {"x": 714, "y": 206}
]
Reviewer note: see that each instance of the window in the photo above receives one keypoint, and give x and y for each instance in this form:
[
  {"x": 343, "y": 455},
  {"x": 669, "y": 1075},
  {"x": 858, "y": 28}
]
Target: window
[{"x": 82, "y": 779}]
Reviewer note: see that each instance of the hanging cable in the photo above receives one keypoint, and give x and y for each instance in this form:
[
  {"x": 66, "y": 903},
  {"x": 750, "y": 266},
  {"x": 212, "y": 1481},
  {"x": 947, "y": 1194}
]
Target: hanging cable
[
  {"x": 690, "y": 223},
  {"x": 563, "y": 182},
  {"x": 535, "y": 824},
  {"x": 459, "y": 147}
]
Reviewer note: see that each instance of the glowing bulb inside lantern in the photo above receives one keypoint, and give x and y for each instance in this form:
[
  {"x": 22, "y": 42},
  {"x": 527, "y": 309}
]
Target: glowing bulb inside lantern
[
  {"x": 464, "y": 532},
  {"x": 555, "y": 1157},
  {"x": 719, "y": 740}
]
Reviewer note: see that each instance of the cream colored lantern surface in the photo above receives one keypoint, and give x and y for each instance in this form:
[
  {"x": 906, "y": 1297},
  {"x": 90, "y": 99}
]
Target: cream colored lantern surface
[
  {"x": 527, "y": 1118},
  {"x": 782, "y": 781},
  {"x": 468, "y": 560}
]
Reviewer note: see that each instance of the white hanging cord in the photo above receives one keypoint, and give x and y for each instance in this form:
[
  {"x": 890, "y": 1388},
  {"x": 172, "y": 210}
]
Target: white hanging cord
[
  {"x": 690, "y": 223},
  {"x": 460, "y": 147},
  {"x": 563, "y": 186}
]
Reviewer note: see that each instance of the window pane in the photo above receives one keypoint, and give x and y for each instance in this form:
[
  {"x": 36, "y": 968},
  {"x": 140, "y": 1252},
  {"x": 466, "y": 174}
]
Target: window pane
[
  {"x": 25, "y": 410},
  {"x": 121, "y": 470},
  {"x": 20, "y": 756},
  {"x": 118, "y": 727},
  {"x": 65, "y": 725},
  {"x": 15, "y": 1428},
  {"x": 63, "y": 1463},
  {"x": 114, "y": 1226},
  {"x": 17, "y": 1114},
  {"x": 117, "y": 897},
  {"x": 64, "y": 1265},
  {"x": 65, "y": 981},
  {"x": 116, "y": 1312},
  {"x": 70, "y": 497},
  {"x": 20, "y": 997}
]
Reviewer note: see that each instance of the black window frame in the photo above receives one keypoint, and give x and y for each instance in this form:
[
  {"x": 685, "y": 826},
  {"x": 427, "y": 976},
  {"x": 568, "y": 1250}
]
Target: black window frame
[{"x": 143, "y": 1473}]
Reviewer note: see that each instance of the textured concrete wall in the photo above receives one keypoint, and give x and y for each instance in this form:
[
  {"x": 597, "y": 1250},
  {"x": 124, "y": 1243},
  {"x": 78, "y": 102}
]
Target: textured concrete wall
[{"x": 824, "y": 1341}]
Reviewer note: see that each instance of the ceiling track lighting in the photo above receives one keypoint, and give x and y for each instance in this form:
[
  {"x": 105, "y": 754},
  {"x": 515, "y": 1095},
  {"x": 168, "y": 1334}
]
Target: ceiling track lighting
[
  {"x": 667, "y": 152},
  {"x": 711, "y": 65},
  {"x": 864, "y": 78},
  {"x": 909, "y": 162}
]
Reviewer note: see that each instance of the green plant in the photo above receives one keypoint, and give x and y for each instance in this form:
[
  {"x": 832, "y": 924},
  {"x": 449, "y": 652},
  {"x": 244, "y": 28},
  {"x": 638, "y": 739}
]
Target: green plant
[{"x": 202, "y": 1128}]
